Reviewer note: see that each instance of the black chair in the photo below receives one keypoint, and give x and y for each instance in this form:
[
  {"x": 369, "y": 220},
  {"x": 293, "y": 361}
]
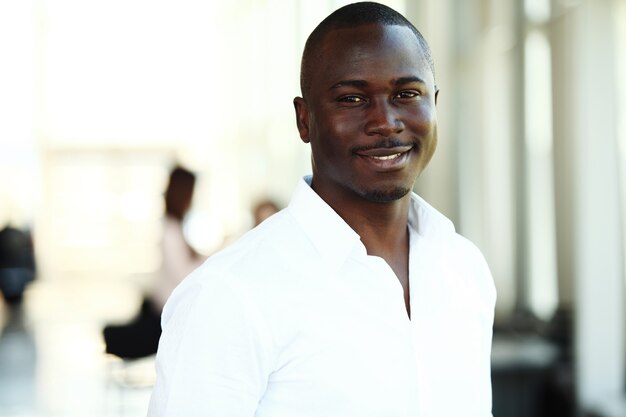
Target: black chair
[{"x": 17, "y": 263}]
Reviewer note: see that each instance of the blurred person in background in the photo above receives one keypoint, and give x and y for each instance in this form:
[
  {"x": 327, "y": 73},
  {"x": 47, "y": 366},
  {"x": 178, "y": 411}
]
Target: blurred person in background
[
  {"x": 140, "y": 337},
  {"x": 264, "y": 209},
  {"x": 260, "y": 211},
  {"x": 359, "y": 298}
]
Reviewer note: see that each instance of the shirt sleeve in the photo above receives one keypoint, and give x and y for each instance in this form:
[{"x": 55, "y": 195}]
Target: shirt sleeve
[{"x": 213, "y": 357}]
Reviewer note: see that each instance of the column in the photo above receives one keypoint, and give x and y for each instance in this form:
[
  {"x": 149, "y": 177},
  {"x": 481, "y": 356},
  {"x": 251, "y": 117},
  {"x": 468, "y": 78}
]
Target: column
[{"x": 589, "y": 234}]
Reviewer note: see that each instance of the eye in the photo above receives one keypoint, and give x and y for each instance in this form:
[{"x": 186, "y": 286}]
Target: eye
[
  {"x": 407, "y": 94},
  {"x": 350, "y": 99}
]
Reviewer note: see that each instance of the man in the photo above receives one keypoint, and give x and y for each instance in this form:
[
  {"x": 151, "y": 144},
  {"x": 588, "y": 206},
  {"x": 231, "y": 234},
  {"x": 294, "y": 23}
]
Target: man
[{"x": 358, "y": 299}]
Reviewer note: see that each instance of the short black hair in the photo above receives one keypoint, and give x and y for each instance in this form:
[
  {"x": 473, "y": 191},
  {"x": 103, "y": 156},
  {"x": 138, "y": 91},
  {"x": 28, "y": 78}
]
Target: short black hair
[{"x": 350, "y": 16}]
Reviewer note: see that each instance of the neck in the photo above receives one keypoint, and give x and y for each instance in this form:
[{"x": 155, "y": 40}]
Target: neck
[
  {"x": 384, "y": 232},
  {"x": 381, "y": 226}
]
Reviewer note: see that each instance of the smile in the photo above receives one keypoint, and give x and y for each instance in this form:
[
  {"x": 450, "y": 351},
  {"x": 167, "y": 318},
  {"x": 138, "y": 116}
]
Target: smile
[
  {"x": 387, "y": 157},
  {"x": 386, "y": 160}
]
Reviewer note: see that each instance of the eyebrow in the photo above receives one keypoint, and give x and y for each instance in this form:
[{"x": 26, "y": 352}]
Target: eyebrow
[
  {"x": 350, "y": 83},
  {"x": 363, "y": 83},
  {"x": 408, "y": 80}
]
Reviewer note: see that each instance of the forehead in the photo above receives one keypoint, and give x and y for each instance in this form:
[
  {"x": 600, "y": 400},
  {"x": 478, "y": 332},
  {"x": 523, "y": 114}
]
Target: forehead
[{"x": 371, "y": 51}]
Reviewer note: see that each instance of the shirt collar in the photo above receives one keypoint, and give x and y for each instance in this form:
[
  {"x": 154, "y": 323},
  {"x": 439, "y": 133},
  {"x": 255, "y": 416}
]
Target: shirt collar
[
  {"x": 427, "y": 221},
  {"x": 335, "y": 240}
]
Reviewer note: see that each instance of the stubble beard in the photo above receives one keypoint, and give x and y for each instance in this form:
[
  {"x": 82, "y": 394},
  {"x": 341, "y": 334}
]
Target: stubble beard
[{"x": 385, "y": 196}]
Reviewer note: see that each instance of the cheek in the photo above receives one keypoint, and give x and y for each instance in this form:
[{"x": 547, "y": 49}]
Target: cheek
[
  {"x": 338, "y": 129},
  {"x": 429, "y": 143},
  {"x": 334, "y": 133},
  {"x": 425, "y": 120},
  {"x": 432, "y": 142},
  {"x": 424, "y": 125}
]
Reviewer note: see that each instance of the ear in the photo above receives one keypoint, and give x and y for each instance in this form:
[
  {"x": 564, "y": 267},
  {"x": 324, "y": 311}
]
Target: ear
[{"x": 302, "y": 118}]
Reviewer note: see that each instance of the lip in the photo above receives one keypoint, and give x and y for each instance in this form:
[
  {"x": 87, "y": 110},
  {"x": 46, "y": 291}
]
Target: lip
[
  {"x": 386, "y": 159},
  {"x": 384, "y": 151}
]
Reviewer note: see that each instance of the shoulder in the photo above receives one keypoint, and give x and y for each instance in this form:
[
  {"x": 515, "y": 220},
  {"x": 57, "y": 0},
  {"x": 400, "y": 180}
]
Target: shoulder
[
  {"x": 435, "y": 229},
  {"x": 258, "y": 263},
  {"x": 472, "y": 266},
  {"x": 277, "y": 243},
  {"x": 460, "y": 261}
]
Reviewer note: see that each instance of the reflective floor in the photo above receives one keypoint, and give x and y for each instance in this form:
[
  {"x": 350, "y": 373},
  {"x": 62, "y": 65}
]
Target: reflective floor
[{"x": 52, "y": 360}]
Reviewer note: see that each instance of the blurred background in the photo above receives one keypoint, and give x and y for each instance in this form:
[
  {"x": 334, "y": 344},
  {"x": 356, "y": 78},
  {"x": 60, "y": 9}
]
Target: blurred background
[{"x": 100, "y": 99}]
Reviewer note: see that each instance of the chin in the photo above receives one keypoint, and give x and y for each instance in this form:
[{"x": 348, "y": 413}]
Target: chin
[{"x": 386, "y": 196}]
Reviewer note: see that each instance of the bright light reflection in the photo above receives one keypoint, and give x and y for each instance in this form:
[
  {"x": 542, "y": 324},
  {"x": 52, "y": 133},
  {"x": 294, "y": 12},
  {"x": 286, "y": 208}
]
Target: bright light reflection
[
  {"x": 537, "y": 11},
  {"x": 130, "y": 72},
  {"x": 542, "y": 274}
]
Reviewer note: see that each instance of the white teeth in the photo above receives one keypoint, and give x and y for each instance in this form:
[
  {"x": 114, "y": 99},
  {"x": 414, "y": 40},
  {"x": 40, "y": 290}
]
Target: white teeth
[{"x": 386, "y": 158}]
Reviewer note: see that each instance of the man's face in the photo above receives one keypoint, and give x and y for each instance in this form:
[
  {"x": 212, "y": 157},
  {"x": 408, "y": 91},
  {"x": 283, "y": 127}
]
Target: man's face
[{"x": 369, "y": 114}]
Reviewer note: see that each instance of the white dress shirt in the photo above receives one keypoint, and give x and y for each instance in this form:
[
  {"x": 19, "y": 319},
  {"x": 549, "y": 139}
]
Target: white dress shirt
[{"x": 296, "y": 320}]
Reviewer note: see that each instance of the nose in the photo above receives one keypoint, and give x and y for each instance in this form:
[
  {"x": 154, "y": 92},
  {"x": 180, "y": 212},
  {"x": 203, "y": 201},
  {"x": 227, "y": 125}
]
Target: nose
[{"x": 382, "y": 119}]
